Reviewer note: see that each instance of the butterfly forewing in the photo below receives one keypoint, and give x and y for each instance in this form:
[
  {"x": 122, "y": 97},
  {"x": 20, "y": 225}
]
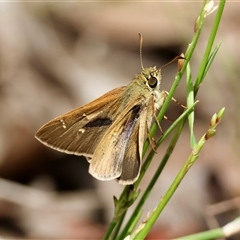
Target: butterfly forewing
[{"x": 73, "y": 131}]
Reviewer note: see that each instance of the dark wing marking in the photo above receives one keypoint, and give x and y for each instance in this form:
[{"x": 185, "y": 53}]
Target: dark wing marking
[{"x": 99, "y": 122}]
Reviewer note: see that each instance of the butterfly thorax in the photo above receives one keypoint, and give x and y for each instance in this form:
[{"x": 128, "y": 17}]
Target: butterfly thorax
[
  {"x": 143, "y": 91},
  {"x": 148, "y": 84}
]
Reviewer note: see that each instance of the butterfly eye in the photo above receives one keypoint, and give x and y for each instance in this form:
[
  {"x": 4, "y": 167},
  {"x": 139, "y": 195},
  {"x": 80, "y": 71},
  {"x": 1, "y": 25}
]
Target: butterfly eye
[{"x": 152, "y": 82}]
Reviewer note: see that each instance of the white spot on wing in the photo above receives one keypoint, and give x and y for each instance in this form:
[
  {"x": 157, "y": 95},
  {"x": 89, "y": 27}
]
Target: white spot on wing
[
  {"x": 81, "y": 130},
  {"x": 63, "y": 124}
]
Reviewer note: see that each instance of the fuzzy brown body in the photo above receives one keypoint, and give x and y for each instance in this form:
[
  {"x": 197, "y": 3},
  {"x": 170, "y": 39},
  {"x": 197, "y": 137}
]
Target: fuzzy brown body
[{"x": 110, "y": 131}]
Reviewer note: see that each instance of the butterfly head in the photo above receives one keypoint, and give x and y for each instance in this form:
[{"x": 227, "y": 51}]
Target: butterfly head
[{"x": 152, "y": 77}]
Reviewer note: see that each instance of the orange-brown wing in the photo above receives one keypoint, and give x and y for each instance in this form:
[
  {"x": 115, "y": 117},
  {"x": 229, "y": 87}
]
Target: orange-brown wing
[{"x": 80, "y": 130}]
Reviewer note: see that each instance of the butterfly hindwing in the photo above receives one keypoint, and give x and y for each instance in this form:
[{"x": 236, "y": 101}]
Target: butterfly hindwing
[
  {"x": 133, "y": 156},
  {"x": 108, "y": 158}
]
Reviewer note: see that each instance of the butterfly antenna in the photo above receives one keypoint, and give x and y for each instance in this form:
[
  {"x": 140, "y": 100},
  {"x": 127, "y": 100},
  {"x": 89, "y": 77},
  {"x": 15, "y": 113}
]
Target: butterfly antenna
[
  {"x": 141, "y": 42},
  {"x": 174, "y": 60}
]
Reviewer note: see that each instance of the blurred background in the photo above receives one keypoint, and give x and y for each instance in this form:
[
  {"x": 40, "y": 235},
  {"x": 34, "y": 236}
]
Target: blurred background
[{"x": 57, "y": 56}]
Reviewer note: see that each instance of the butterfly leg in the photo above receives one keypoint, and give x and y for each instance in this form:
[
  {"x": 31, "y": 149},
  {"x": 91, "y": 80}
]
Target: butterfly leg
[
  {"x": 152, "y": 143},
  {"x": 158, "y": 123},
  {"x": 151, "y": 140},
  {"x": 176, "y": 101},
  {"x": 169, "y": 119},
  {"x": 162, "y": 99}
]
